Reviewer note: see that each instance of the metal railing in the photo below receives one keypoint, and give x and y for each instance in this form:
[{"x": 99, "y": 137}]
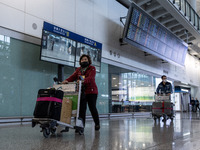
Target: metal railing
[{"x": 188, "y": 11}]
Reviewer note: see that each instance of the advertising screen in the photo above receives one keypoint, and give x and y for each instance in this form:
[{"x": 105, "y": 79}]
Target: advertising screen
[
  {"x": 64, "y": 47},
  {"x": 57, "y": 49}
]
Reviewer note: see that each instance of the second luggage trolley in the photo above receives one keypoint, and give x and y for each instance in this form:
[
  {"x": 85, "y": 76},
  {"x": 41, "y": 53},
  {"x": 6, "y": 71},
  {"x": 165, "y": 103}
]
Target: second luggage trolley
[
  {"x": 162, "y": 107},
  {"x": 50, "y": 125}
]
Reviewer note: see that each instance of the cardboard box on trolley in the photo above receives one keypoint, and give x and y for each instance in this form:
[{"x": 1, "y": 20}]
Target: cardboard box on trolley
[
  {"x": 69, "y": 103},
  {"x": 66, "y": 111}
]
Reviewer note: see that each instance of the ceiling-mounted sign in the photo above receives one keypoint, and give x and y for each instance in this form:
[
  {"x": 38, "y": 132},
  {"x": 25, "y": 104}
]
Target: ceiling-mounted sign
[{"x": 144, "y": 32}]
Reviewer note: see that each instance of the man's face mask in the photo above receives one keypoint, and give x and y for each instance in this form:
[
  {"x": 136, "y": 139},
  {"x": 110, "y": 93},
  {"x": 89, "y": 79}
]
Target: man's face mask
[{"x": 165, "y": 80}]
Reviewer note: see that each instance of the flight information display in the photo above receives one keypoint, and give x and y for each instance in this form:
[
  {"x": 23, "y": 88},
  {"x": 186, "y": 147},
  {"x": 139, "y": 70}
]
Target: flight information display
[{"x": 142, "y": 31}]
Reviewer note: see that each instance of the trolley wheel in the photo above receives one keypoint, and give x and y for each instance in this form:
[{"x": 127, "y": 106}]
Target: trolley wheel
[
  {"x": 164, "y": 119},
  {"x": 81, "y": 131},
  {"x": 33, "y": 124},
  {"x": 46, "y": 132},
  {"x": 53, "y": 130},
  {"x": 154, "y": 118}
]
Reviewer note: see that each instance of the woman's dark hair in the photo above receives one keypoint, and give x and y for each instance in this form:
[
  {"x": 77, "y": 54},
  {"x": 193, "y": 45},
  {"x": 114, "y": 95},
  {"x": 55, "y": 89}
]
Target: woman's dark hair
[{"x": 88, "y": 57}]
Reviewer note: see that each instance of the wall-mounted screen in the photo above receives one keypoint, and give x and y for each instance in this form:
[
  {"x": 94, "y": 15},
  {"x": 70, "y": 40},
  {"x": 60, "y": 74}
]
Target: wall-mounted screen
[
  {"x": 144, "y": 32},
  {"x": 94, "y": 53},
  {"x": 64, "y": 47},
  {"x": 57, "y": 49}
]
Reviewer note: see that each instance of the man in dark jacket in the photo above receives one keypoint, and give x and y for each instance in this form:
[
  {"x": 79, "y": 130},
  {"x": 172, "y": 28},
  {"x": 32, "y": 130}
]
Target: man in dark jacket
[
  {"x": 164, "y": 87},
  {"x": 197, "y": 104},
  {"x": 192, "y": 102}
]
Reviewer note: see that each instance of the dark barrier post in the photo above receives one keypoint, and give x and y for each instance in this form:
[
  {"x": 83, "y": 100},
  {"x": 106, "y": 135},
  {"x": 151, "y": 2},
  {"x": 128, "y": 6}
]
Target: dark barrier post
[{"x": 60, "y": 72}]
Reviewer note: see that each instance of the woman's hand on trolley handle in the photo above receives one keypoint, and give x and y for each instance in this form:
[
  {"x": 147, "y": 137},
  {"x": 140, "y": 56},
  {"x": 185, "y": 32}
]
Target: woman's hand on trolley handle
[
  {"x": 79, "y": 81},
  {"x": 168, "y": 94},
  {"x": 65, "y": 82}
]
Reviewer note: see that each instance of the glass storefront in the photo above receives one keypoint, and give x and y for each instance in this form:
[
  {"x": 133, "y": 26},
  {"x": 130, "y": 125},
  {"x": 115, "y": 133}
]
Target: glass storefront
[
  {"x": 23, "y": 74},
  {"x": 130, "y": 91},
  {"x": 188, "y": 11}
]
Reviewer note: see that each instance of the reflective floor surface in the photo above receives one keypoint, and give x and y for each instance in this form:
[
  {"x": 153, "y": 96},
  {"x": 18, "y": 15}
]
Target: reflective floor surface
[{"x": 115, "y": 134}]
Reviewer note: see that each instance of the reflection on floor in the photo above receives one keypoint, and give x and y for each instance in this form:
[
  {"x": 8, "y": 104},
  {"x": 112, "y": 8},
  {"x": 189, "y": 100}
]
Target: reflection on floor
[{"x": 115, "y": 134}]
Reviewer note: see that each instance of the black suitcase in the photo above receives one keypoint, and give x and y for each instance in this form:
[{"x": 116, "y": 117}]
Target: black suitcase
[{"x": 49, "y": 103}]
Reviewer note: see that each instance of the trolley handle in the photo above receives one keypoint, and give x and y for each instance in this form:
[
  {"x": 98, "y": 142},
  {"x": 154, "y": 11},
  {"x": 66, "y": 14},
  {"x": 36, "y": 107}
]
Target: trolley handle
[{"x": 58, "y": 82}]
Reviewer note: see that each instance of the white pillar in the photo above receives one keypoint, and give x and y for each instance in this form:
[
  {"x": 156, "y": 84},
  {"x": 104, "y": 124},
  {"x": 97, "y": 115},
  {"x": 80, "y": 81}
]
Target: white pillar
[{"x": 193, "y": 4}]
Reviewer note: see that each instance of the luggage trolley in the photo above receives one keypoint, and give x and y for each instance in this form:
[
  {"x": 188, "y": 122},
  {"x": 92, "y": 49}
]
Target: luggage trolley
[
  {"x": 50, "y": 125},
  {"x": 162, "y": 107}
]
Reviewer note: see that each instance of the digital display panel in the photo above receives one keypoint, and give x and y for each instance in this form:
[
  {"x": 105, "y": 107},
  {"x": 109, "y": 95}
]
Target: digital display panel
[
  {"x": 65, "y": 47},
  {"x": 94, "y": 53},
  {"x": 57, "y": 49},
  {"x": 144, "y": 32}
]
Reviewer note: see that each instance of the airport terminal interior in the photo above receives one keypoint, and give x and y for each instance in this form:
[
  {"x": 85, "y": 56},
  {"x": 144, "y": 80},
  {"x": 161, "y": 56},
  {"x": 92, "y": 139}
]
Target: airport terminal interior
[{"x": 131, "y": 43}]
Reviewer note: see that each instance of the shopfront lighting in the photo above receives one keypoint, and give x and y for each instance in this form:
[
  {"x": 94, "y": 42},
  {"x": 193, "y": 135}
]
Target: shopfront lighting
[
  {"x": 184, "y": 90},
  {"x": 185, "y": 134}
]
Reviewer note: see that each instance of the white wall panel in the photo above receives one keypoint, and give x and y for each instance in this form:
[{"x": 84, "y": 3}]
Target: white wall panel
[
  {"x": 64, "y": 14},
  {"x": 114, "y": 11},
  {"x": 114, "y": 25},
  {"x": 84, "y": 18},
  {"x": 11, "y": 18},
  {"x": 96, "y": 19},
  {"x": 33, "y": 26},
  {"x": 101, "y": 7},
  {"x": 101, "y": 31},
  {"x": 127, "y": 57},
  {"x": 18, "y": 4},
  {"x": 40, "y": 8},
  {"x": 100, "y": 21}
]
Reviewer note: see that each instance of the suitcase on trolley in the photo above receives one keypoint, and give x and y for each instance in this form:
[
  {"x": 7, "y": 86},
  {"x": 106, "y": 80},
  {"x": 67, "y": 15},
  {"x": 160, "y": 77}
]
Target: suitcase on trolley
[
  {"x": 47, "y": 119},
  {"x": 48, "y": 104},
  {"x": 162, "y": 107}
]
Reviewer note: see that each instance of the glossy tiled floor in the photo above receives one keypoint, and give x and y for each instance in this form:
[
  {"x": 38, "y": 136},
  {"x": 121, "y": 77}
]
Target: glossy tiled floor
[{"x": 115, "y": 134}]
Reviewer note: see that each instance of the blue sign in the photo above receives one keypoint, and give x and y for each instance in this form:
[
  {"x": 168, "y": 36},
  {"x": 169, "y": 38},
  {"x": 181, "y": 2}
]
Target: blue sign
[{"x": 63, "y": 32}]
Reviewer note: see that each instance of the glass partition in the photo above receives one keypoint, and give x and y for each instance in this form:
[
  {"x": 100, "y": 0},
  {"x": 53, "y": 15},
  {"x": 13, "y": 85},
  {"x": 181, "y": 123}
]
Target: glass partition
[
  {"x": 188, "y": 11},
  {"x": 23, "y": 74},
  {"x": 183, "y": 6},
  {"x": 130, "y": 91},
  {"x": 192, "y": 16},
  {"x": 196, "y": 21},
  {"x": 177, "y": 2}
]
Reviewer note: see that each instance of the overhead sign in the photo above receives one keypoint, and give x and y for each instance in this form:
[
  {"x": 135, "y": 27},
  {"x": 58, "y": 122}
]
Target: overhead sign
[
  {"x": 63, "y": 32},
  {"x": 65, "y": 47},
  {"x": 143, "y": 31}
]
